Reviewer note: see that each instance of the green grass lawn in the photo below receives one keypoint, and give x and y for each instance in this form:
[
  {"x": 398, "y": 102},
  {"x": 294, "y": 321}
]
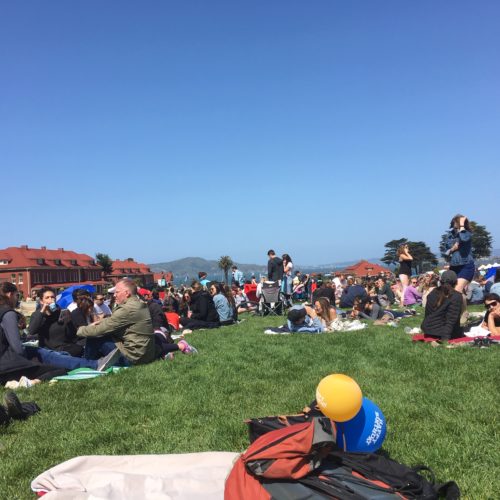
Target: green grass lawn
[{"x": 441, "y": 405}]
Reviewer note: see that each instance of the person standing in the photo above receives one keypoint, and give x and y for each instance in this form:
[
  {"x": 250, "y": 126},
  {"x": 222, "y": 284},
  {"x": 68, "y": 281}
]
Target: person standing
[
  {"x": 458, "y": 249},
  {"x": 287, "y": 284},
  {"x": 405, "y": 260},
  {"x": 274, "y": 267}
]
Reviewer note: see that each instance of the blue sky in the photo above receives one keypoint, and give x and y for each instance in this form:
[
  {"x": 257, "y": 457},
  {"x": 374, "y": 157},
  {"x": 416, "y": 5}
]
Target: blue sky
[{"x": 323, "y": 129}]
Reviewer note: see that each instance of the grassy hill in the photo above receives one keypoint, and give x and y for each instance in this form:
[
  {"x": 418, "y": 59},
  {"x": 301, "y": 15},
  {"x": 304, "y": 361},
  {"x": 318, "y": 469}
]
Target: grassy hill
[{"x": 441, "y": 405}]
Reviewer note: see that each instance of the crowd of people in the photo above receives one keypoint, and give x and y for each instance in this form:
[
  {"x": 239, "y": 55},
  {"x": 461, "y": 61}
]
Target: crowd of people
[{"x": 131, "y": 326}]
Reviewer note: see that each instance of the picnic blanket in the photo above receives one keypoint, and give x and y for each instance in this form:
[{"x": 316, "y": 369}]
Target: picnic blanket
[
  {"x": 421, "y": 337},
  {"x": 337, "y": 325},
  {"x": 188, "y": 476},
  {"x": 86, "y": 373}
]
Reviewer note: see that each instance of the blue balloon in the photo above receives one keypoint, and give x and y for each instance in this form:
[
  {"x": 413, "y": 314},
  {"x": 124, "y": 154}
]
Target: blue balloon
[{"x": 365, "y": 432}]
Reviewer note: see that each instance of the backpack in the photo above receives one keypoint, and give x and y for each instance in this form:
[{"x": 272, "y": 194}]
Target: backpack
[{"x": 301, "y": 461}]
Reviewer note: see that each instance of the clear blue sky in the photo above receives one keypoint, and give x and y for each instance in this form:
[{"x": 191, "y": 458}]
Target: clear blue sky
[{"x": 160, "y": 130}]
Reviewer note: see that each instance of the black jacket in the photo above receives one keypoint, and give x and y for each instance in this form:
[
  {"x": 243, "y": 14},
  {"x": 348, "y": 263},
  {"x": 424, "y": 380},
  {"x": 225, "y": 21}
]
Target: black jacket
[
  {"x": 158, "y": 317},
  {"x": 203, "y": 307},
  {"x": 10, "y": 360},
  {"x": 55, "y": 331},
  {"x": 443, "y": 321},
  {"x": 274, "y": 269}
]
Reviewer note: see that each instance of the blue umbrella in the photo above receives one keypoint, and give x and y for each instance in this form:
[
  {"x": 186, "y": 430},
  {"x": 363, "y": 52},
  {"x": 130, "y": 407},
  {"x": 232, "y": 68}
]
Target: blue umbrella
[{"x": 64, "y": 299}]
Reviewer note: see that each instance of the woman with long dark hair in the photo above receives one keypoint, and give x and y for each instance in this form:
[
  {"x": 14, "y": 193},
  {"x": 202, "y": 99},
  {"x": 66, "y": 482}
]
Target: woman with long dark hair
[
  {"x": 325, "y": 312},
  {"x": 405, "y": 260},
  {"x": 202, "y": 312},
  {"x": 443, "y": 310},
  {"x": 287, "y": 283},
  {"x": 458, "y": 248}
]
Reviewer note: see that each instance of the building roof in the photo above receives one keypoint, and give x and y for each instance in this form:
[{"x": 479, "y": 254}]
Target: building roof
[
  {"x": 24, "y": 257},
  {"x": 129, "y": 266},
  {"x": 365, "y": 268}
]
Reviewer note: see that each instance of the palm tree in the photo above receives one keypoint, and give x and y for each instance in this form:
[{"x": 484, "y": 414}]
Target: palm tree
[
  {"x": 105, "y": 262},
  {"x": 225, "y": 263}
]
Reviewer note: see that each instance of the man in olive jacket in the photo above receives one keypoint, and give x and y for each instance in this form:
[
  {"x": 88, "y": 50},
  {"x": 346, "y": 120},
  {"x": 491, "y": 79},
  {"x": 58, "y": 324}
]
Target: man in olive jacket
[{"x": 129, "y": 328}]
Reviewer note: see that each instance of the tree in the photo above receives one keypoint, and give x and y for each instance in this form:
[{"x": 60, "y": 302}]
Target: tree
[
  {"x": 423, "y": 258},
  {"x": 390, "y": 256},
  {"x": 225, "y": 263},
  {"x": 481, "y": 241},
  {"x": 105, "y": 262}
]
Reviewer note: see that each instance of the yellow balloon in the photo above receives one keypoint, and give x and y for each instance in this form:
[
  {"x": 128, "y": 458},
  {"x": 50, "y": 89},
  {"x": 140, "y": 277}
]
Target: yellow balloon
[{"x": 339, "y": 397}]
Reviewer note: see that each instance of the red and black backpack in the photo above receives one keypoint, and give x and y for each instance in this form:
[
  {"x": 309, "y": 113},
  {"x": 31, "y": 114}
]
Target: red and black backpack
[{"x": 300, "y": 461}]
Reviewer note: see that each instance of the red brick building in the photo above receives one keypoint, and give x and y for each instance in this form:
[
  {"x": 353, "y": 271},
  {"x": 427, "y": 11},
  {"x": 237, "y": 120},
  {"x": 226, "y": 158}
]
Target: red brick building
[
  {"x": 32, "y": 268},
  {"x": 364, "y": 268},
  {"x": 129, "y": 268}
]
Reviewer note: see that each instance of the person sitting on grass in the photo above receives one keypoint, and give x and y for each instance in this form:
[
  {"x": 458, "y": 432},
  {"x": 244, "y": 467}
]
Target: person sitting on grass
[
  {"x": 53, "y": 327},
  {"x": 491, "y": 320},
  {"x": 303, "y": 319},
  {"x": 354, "y": 289},
  {"x": 35, "y": 363},
  {"x": 129, "y": 329},
  {"x": 411, "y": 294},
  {"x": 222, "y": 305},
  {"x": 202, "y": 312},
  {"x": 241, "y": 301},
  {"x": 326, "y": 313},
  {"x": 443, "y": 310}
]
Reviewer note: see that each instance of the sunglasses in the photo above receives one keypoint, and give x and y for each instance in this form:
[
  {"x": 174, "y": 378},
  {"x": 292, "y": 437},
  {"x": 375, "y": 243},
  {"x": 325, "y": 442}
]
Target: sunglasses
[{"x": 491, "y": 304}]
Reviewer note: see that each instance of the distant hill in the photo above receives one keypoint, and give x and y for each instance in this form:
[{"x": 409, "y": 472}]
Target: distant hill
[{"x": 186, "y": 269}]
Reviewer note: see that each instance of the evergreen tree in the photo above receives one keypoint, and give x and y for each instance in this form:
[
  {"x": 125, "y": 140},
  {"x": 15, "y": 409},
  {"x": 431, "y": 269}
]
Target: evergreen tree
[
  {"x": 105, "y": 262},
  {"x": 390, "y": 256},
  {"x": 423, "y": 258}
]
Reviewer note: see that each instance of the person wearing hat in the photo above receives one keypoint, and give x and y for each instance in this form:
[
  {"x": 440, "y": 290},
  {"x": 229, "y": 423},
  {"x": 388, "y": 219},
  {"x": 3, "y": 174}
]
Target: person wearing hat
[
  {"x": 443, "y": 309},
  {"x": 303, "y": 319}
]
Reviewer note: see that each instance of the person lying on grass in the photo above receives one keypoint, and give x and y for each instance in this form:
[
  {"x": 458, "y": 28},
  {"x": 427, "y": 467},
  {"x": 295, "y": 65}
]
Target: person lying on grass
[
  {"x": 303, "y": 319},
  {"x": 326, "y": 313},
  {"x": 492, "y": 317},
  {"x": 366, "y": 308}
]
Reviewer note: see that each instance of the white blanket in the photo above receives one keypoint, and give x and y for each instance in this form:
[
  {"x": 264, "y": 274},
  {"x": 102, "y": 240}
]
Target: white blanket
[{"x": 189, "y": 476}]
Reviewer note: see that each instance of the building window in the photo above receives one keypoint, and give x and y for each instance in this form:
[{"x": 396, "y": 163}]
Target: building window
[
  {"x": 20, "y": 279},
  {"x": 40, "y": 262},
  {"x": 57, "y": 262},
  {"x": 3, "y": 262},
  {"x": 13, "y": 278},
  {"x": 73, "y": 262}
]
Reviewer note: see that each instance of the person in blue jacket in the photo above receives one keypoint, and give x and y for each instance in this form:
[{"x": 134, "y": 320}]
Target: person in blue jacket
[{"x": 458, "y": 249}]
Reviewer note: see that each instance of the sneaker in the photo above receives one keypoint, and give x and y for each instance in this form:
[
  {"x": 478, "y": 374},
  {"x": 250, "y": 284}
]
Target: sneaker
[
  {"x": 13, "y": 405},
  {"x": 108, "y": 360},
  {"x": 187, "y": 348}
]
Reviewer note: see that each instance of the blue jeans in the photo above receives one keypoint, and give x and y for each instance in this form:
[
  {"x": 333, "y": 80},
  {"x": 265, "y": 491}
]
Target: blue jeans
[
  {"x": 59, "y": 358},
  {"x": 95, "y": 347}
]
